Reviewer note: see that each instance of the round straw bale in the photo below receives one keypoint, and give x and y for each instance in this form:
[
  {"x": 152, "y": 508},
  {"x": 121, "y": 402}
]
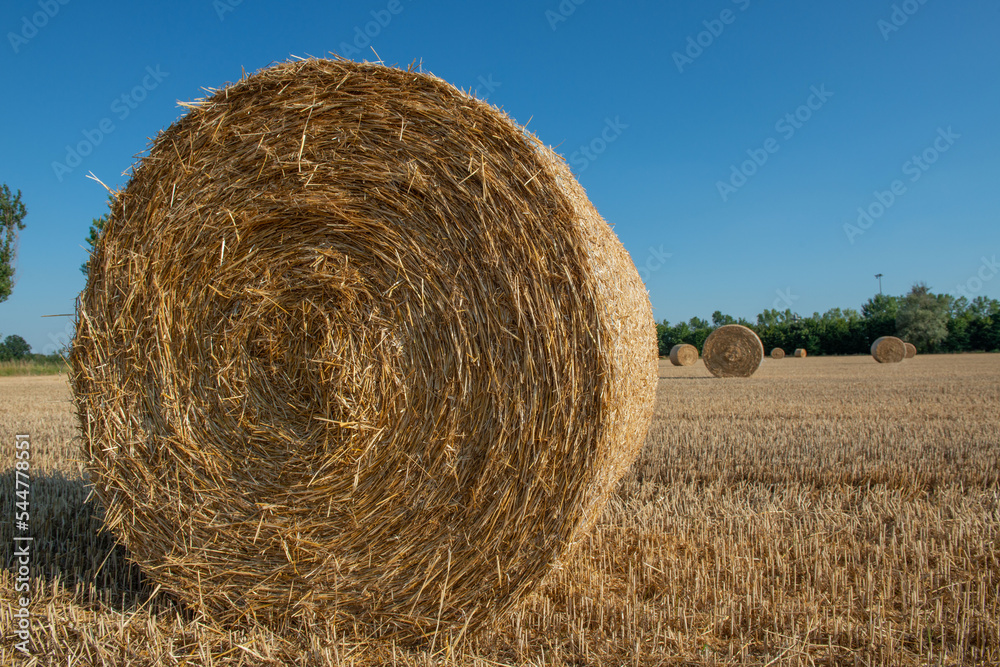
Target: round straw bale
[
  {"x": 777, "y": 353},
  {"x": 888, "y": 350},
  {"x": 683, "y": 354},
  {"x": 356, "y": 348},
  {"x": 800, "y": 353},
  {"x": 732, "y": 350},
  {"x": 911, "y": 350}
]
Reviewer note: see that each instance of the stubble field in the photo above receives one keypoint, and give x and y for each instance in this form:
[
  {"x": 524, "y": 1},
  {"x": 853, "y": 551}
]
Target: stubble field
[{"x": 826, "y": 511}]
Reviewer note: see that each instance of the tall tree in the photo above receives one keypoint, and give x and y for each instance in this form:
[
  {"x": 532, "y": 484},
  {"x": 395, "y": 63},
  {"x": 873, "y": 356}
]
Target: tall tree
[
  {"x": 14, "y": 347},
  {"x": 960, "y": 317},
  {"x": 96, "y": 227},
  {"x": 719, "y": 319},
  {"x": 984, "y": 324},
  {"x": 12, "y": 213},
  {"x": 922, "y": 318},
  {"x": 879, "y": 314}
]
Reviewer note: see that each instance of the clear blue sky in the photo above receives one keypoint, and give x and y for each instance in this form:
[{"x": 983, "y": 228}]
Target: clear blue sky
[{"x": 881, "y": 93}]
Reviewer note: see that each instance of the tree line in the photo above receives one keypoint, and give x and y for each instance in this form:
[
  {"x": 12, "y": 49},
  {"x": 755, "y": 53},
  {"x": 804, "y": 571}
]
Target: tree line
[
  {"x": 932, "y": 322},
  {"x": 12, "y": 214}
]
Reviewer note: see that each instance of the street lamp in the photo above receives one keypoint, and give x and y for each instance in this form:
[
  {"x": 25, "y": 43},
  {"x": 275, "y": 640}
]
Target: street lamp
[{"x": 879, "y": 276}]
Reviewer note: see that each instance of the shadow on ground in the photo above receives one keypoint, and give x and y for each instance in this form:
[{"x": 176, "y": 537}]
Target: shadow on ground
[{"x": 69, "y": 543}]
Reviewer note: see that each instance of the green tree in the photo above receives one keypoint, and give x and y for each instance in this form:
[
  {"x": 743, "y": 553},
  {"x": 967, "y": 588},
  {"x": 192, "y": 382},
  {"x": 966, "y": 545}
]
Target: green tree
[
  {"x": 14, "y": 347},
  {"x": 767, "y": 319},
  {"x": 922, "y": 318},
  {"x": 960, "y": 317},
  {"x": 806, "y": 332},
  {"x": 718, "y": 319},
  {"x": 12, "y": 213},
  {"x": 96, "y": 227},
  {"x": 879, "y": 314},
  {"x": 700, "y": 329},
  {"x": 842, "y": 332},
  {"x": 984, "y": 324}
]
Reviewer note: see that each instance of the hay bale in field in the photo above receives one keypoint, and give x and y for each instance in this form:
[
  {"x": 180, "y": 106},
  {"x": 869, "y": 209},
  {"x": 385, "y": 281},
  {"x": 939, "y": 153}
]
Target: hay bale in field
[
  {"x": 800, "y": 353},
  {"x": 356, "y": 348},
  {"x": 911, "y": 350},
  {"x": 888, "y": 350},
  {"x": 732, "y": 350},
  {"x": 777, "y": 353},
  {"x": 683, "y": 354}
]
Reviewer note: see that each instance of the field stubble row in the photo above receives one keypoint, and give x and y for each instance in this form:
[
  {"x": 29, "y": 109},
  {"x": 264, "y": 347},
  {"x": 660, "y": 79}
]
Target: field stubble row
[{"x": 824, "y": 511}]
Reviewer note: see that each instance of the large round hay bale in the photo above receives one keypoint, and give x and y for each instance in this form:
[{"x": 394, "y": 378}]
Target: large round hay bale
[
  {"x": 356, "y": 348},
  {"x": 732, "y": 350},
  {"x": 777, "y": 353},
  {"x": 683, "y": 354},
  {"x": 800, "y": 353},
  {"x": 888, "y": 350},
  {"x": 911, "y": 350}
]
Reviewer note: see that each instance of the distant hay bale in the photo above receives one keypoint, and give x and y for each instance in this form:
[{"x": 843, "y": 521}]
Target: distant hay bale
[
  {"x": 355, "y": 348},
  {"x": 800, "y": 353},
  {"x": 683, "y": 354},
  {"x": 777, "y": 353},
  {"x": 888, "y": 350},
  {"x": 911, "y": 350},
  {"x": 732, "y": 350}
]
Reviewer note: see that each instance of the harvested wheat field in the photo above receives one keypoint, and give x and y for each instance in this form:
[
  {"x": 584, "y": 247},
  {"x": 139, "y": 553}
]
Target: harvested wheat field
[{"x": 836, "y": 512}]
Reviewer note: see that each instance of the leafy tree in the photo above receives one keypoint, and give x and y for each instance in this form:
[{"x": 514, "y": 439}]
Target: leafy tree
[
  {"x": 984, "y": 324},
  {"x": 879, "y": 313},
  {"x": 14, "y": 347},
  {"x": 718, "y": 319},
  {"x": 879, "y": 306},
  {"x": 768, "y": 319},
  {"x": 922, "y": 317},
  {"x": 806, "y": 332},
  {"x": 96, "y": 227},
  {"x": 960, "y": 316},
  {"x": 841, "y": 332},
  {"x": 993, "y": 339},
  {"x": 12, "y": 213}
]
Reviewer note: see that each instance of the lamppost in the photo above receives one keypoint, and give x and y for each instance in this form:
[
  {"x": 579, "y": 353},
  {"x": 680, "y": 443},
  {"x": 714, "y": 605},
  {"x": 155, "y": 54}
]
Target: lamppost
[{"x": 879, "y": 276}]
